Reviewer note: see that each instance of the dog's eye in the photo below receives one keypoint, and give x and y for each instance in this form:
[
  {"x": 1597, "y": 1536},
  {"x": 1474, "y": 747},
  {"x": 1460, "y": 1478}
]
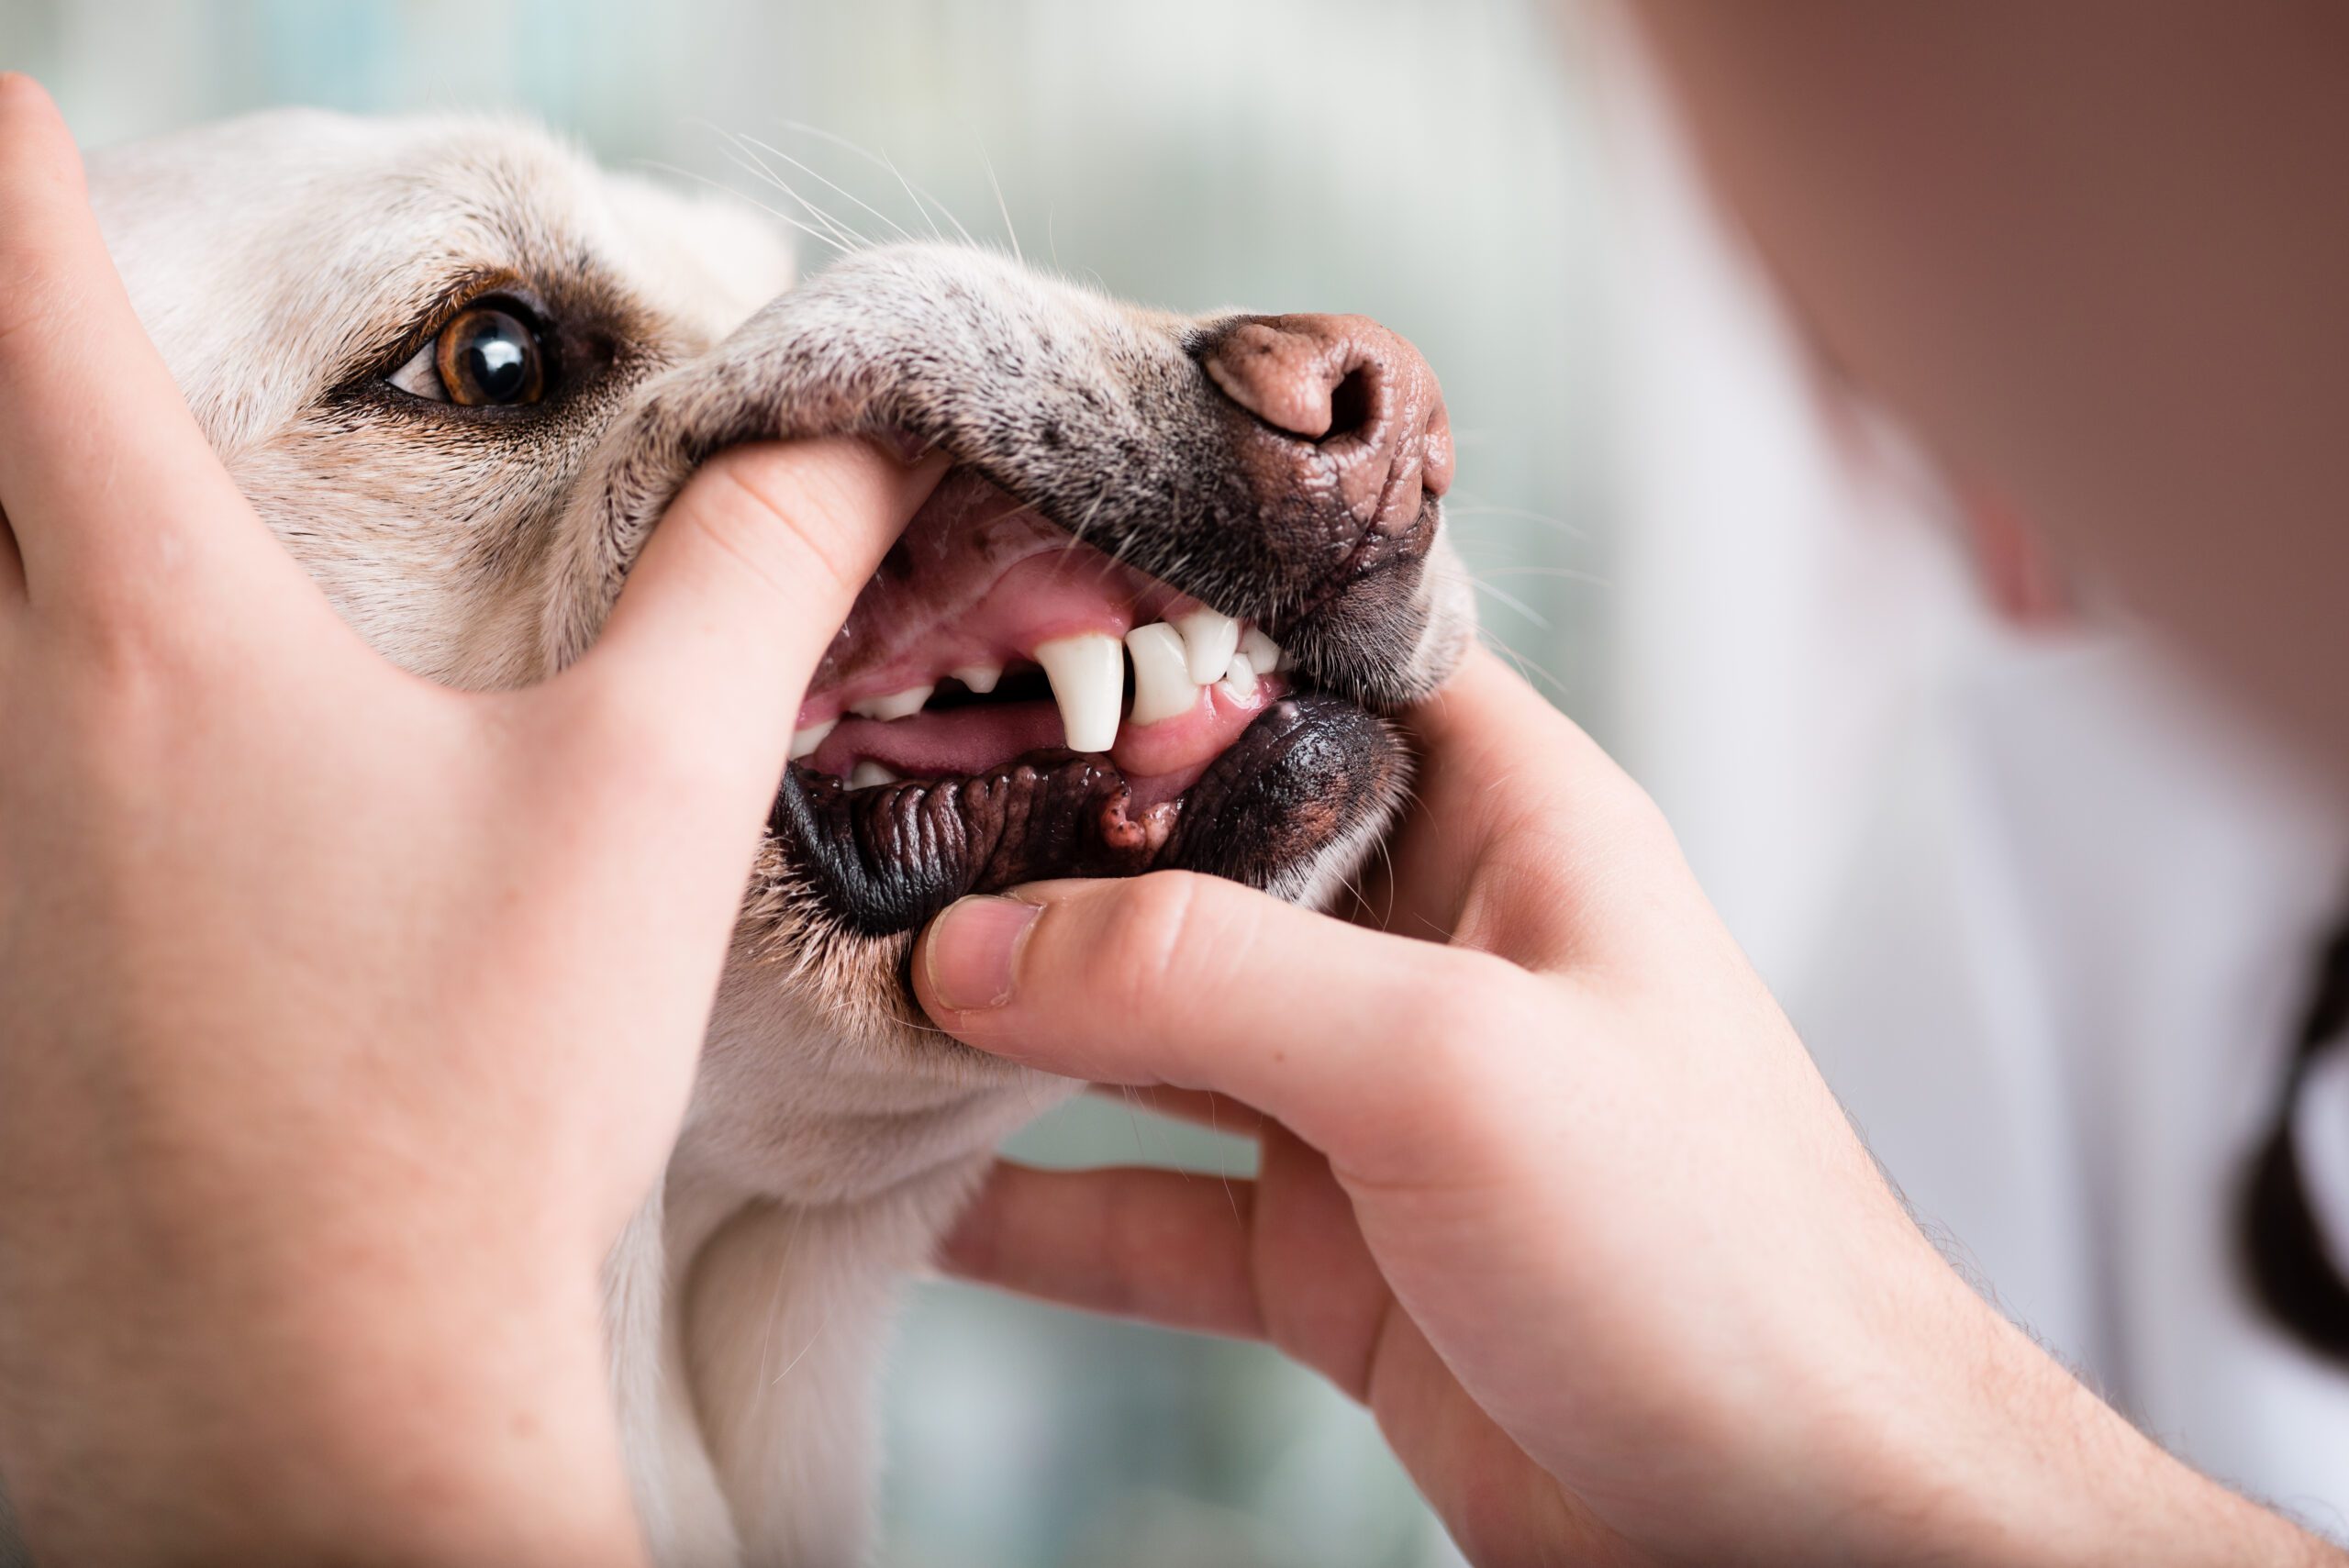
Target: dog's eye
[{"x": 485, "y": 358}]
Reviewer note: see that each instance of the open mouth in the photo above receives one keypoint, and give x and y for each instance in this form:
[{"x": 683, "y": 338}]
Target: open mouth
[{"x": 1005, "y": 702}]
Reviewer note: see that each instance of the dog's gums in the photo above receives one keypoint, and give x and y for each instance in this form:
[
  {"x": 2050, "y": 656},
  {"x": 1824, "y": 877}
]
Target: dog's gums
[{"x": 977, "y": 723}]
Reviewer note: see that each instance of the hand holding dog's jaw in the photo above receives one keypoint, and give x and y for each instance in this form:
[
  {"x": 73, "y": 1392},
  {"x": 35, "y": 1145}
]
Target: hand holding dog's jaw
[
  {"x": 1554, "y": 1190},
  {"x": 381, "y": 1001}
]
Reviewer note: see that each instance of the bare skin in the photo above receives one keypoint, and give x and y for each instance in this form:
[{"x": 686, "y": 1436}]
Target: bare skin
[
  {"x": 1547, "y": 1179},
  {"x": 1548, "y": 1182},
  {"x": 346, "y": 1018},
  {"x": 1553, "y": 1187}
]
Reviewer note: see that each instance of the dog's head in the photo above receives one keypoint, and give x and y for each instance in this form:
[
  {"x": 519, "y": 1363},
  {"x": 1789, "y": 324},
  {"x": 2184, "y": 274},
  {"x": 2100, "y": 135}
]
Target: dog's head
[{"x": 1178, "y": 568}]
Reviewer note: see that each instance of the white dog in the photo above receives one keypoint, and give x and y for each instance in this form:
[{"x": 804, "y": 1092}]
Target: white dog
[{"x": 461, "y": 371}]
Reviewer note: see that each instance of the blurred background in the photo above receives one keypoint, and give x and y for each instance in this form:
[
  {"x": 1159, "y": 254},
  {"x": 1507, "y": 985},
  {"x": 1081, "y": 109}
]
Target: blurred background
[{"x": 1993, "y": 864}]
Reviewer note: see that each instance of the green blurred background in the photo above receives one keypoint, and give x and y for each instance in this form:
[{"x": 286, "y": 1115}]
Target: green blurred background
[{"x": 1427, "y": 164}]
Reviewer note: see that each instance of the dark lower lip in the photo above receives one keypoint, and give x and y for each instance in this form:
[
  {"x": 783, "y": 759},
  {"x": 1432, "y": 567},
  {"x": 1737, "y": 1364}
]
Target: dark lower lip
[{"x": 886, "y": 860}]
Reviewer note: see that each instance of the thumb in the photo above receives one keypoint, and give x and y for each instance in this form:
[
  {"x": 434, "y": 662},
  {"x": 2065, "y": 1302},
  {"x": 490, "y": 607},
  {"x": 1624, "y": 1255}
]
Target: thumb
[
  {"x": 742, "y": 585},
  {"x": 1356, "y": 1040}
]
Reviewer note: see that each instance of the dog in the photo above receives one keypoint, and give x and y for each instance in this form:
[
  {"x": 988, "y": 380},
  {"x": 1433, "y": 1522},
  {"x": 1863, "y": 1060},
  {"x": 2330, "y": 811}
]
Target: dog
[{"x": 461, "y": 370}]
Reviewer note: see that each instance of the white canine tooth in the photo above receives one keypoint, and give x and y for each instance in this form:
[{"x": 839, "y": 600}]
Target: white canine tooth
[
  {"x": 868, "y": 772},
  {"x": 1241, "y": 679},
  {"x": 804, "y": 741},
  {"x": 1088, "y": 676},
  {"x": 980, "y": 678},
  {"x": 1209, "y": 638},
  {"x": 895, "y": 704},
  {"x": 1264, "y": 653},
  {"x": 1163, "y": 685}
]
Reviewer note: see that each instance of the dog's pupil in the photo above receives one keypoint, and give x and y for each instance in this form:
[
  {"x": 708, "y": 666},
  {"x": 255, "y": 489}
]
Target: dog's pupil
[
  {"x": 497, "y": 365},
  {"x": 498, "y": 358},
  {"x": 491, "y": 357}
]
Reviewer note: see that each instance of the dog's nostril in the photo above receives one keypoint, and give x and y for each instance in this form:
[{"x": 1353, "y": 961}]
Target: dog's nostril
[
  {"x": 1285, "y": 378},
  {"x": 1317, "y": 378},
  {"x": 1349, "y": 404}
]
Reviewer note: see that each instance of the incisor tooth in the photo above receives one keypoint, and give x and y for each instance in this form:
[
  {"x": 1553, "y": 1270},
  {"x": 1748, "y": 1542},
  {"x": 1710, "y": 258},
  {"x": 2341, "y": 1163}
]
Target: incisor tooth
[
  {"x": 804, "y": 741},
  {"x": 980, "y": 678},
  {"x": 1241, "y": 679},
  {"x": 1088, "y": 676},
  {"x": 1163, "y": 684},
  {"x": 1264, "y": 653},
  {"x": 1209, "y": 638},
  {"x": 868, "y": 772},
  {"x": 894, "y": 705}
]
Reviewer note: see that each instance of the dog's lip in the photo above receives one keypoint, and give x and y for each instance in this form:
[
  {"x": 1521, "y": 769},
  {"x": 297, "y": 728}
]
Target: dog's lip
[{"x": 887, "y": 857}]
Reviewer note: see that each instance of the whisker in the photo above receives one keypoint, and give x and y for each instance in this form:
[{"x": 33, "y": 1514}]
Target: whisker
[
  {"x": 744, "y": 197},
  {"x": 1566, "y": 573},
  {"x": 920, "y": 194},
  {"x": 1520, "y": 605},
  {"x": 1460, "y": 504},
  {"x": 1002, "y": 206},
  {"x": 813, "y": 174},
  {"x": 737, "y": 151},
  {"x": 745, "y": 161},
  {"x": 1525, "y": 666},
  {"x": 821, "y": 1324}
]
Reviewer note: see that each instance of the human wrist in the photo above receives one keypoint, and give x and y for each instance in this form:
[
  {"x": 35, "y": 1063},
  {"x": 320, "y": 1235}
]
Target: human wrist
[{"x": 2000, "y": 1457}]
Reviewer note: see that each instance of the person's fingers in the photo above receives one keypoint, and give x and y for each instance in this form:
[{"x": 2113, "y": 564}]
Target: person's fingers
[
  {"x": 1370, "y": 1047},
  {"x": 1165, "y": 1246},
  {"x": 1524, "y": 838},
  {"x": 741, "y": 587},
  {"x": 12, "y": 564},
  {"x": 109, "y": 487}
]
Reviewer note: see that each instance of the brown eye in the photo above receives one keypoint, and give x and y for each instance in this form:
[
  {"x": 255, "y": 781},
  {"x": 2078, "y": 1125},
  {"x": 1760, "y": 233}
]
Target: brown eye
[{"x": 488, "y": 357}]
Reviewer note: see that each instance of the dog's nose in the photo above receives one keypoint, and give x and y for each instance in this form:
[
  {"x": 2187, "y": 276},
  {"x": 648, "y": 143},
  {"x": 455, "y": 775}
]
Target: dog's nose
[{"x": 1339, "y": 402}]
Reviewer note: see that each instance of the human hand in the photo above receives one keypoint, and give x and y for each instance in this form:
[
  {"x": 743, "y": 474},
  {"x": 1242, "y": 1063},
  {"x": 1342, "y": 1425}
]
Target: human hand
[
  {"x": 1547, "y": 1181},
  {"x": 344, "y": 1019}
]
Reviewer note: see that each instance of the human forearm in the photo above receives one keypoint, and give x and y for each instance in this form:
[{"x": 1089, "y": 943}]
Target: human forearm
[{"x": 2011, "y": 1461}]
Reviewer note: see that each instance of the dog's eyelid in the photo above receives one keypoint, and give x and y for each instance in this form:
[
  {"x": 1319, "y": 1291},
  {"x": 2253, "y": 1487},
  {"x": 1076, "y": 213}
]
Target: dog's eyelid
[{"x": 420, "y": 376}]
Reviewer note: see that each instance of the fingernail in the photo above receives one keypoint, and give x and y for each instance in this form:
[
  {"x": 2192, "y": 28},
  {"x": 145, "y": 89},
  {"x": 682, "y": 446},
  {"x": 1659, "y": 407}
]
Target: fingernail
[{"x": 973, "y": 950}]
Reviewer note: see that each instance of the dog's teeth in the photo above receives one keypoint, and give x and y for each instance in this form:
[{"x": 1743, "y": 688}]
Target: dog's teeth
[
  {"x": 1264, "y": 653},
  {"x": 1209, "y": 638},
  {"x": 896, "y": 704},
  {"x": 1088, "y": 676},
  {"x": 868, "y": 772},
  {"x": 804, "y": 741},
  {"x": 1241, "y": 679},
  {"x": 1163, "y": 684},
  {"x": 980, "y": 678}
]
